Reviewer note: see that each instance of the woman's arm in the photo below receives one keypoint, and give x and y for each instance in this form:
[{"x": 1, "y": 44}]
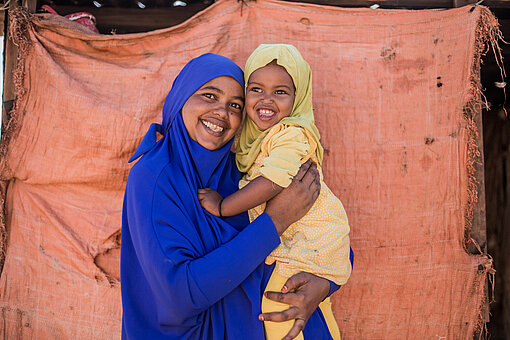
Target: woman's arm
[
  {"x": 187, "y": 284},
  {"x": 256, "y": 192}
]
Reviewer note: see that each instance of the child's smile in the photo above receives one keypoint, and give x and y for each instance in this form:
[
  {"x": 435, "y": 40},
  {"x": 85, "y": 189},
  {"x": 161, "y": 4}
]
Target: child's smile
[{"x": 270, "y": 95}]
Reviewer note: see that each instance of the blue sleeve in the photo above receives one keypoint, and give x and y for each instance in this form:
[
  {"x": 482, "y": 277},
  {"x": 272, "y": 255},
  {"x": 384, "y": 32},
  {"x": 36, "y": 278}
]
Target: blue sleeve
[
  {"x": 223, "y": 269},
  {"x": 184, "y": 283},
  {"x": 333, "y": 287}
]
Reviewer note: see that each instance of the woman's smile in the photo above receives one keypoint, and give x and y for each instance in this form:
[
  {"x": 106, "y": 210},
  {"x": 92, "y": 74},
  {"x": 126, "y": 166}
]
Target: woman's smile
[{"x": 216, "y": 129}]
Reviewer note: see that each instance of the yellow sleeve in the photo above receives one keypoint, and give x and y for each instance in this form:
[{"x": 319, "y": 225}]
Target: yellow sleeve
[{"x": 286, "y": 148}]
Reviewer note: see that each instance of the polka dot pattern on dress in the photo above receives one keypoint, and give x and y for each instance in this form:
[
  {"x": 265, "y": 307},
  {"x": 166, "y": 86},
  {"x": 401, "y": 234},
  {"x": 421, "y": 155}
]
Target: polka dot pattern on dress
[{"x": 318, "y": 243}]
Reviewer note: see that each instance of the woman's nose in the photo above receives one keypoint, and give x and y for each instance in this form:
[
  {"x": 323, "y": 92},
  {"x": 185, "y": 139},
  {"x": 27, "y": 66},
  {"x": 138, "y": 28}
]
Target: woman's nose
[{"x": 221, "y": 111}]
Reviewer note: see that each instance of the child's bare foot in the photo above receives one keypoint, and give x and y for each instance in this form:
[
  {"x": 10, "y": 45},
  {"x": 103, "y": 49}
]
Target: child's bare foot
[{"x": 210, "y": 200}]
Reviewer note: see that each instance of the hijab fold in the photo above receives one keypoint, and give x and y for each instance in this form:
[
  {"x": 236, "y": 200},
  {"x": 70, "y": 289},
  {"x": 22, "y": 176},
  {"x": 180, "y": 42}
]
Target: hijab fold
[
  {"x": 288, "y": 57},
  {"x": 196, "y": 73}
]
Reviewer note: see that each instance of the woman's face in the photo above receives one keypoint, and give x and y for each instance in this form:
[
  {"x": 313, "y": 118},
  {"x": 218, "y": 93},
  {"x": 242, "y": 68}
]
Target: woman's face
[{"x": 213, "y": 114}]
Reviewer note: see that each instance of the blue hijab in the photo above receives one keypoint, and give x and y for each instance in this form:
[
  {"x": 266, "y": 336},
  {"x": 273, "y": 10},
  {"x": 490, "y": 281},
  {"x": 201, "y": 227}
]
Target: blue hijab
[{"x": 186, "y": 274}]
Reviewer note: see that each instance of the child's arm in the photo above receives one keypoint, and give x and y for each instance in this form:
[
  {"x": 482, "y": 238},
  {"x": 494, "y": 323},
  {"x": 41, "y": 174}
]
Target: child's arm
[
  {"x": 287, "y": 149},
  {"x": 256, "y": 192}
]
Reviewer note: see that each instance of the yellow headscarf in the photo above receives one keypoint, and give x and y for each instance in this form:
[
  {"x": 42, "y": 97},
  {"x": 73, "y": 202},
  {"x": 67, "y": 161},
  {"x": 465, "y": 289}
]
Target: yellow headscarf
[{"x": 288, "y": 57}]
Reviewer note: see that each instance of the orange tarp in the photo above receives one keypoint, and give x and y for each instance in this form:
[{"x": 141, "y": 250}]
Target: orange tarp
[{"x": 394, "y": 95}]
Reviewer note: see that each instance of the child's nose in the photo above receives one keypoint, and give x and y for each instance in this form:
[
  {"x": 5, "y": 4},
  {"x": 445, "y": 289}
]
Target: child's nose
[{"x": 268, "y": 97}]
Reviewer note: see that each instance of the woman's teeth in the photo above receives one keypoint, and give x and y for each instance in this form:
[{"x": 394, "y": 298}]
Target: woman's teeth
[{"x": 214, "y": 127}]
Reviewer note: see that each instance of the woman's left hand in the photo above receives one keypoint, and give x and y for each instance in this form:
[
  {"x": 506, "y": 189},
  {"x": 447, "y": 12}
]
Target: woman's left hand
[{"x": 303, "y": 292}]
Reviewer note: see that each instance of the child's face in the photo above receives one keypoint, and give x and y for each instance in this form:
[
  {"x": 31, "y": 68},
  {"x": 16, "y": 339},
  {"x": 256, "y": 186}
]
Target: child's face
[{"x": 269, "y": 95}]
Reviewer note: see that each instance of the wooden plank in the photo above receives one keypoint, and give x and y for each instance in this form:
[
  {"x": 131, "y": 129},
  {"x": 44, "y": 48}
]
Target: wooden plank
[
  {"x": 31, "y": 5},
  {"x": 130, "y": 20},
  {"x": 479, "y": 225},
  {"x": 460, "y": 3},
  {"x": 384, "y": 3},
  {"x": 2, "y": 18},
  {"x": 497, "y": 4},
  {"x": 408, "y": 3},
  {"x": 478, "y": 228},
  {"x": 497, "y": 168}
]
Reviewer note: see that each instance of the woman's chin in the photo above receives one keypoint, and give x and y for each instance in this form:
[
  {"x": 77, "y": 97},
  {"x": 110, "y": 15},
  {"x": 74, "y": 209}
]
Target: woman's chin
[{"x": 210, "y": 144}]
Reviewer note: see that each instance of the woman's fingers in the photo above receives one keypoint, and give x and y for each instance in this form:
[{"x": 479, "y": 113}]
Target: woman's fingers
[
  {"x": 316, "y": 186},
  {"x": 306, "y": 291},
  {"x": 292, "y": 299},
  {"x": 303, "y": 169},
  {"x": 295, "y": 282},
  {"x": 285, "y": 315},
  {"x": 298, "y": 326},
  {"x": 311, "y": 179},
  {"x": 311, "y": 174}
]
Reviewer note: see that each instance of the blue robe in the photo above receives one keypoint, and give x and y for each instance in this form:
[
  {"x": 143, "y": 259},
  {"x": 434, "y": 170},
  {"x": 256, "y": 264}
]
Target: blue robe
[{"x": 186, "y": 274}]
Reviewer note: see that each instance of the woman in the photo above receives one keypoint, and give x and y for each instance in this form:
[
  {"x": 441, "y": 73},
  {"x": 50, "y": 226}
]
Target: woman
[{"x": 186, "y": 274}]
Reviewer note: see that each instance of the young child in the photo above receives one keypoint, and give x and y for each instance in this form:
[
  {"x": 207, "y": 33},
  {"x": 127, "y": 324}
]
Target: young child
[{"x": 278, "y": 135}]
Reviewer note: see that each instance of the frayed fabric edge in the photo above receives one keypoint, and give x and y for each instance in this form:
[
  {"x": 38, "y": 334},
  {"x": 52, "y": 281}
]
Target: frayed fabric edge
[
  {"x": 20, "y": 22},
  {"x": 487, "y": 37}
]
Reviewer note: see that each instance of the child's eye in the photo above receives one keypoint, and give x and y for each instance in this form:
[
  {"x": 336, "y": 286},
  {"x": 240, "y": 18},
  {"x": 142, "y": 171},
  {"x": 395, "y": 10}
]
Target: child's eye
[
  {"x": 256, "y": 89},
  {"x": 236, "y": 106},
  {"x": 280, "y": 92}
]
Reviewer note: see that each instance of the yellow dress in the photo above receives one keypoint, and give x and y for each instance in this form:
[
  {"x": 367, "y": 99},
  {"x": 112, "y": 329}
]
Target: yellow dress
[{"x": 319, "y": 242}]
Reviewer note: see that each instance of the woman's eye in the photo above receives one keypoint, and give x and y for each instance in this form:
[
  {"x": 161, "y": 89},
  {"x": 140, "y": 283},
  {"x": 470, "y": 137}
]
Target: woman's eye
[{"x": 209, "y": 95}]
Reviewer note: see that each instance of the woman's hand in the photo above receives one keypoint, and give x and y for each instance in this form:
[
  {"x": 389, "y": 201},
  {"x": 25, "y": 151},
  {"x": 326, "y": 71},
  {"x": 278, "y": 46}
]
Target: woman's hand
[
  {"x": 294, "y": 202},
  {"x": 303, "y": 292}
]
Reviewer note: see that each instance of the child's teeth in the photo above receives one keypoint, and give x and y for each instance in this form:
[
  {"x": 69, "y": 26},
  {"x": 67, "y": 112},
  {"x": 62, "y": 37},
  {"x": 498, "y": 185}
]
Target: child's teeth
[
  {"x": 266, "y": 112},
  {"x": 213, "y": 127}
]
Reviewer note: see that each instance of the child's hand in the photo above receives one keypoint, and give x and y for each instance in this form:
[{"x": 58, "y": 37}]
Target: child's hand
[{"x": 210, "y": 200}]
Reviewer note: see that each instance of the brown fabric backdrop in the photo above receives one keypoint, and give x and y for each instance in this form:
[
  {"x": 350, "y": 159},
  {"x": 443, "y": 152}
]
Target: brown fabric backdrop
[{"x": 394, "y": 92}]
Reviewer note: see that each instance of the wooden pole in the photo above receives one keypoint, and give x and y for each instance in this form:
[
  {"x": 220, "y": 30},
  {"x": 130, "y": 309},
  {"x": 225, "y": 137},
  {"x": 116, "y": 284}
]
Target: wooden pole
[{"x": 460, "y": 3}]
